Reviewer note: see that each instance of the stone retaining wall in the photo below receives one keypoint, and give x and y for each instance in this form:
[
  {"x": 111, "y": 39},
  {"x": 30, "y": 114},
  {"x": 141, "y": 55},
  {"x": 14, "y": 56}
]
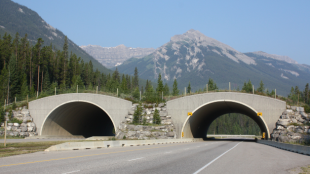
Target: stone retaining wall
[
  {"x": 25, "y": 129},
  {"x": 292, "y": 126}
]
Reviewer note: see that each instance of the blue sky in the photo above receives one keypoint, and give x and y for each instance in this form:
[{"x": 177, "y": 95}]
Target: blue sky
[{"x": 277, "y": 27}]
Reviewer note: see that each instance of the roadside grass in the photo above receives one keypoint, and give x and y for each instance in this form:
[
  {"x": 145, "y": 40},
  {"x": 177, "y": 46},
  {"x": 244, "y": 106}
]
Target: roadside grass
[
  {"x": 25, "y": 147},
  {"x": 11, "y": 137},
  {"x": 305, "y": 170}
]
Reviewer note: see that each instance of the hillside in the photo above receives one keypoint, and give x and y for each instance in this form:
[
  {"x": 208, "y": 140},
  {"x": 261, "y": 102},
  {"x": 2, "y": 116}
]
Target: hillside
[
  {"x": 114, "y": 56},
  {"x": 17, "y": 18},
  {"x": 193, "y": 57}
]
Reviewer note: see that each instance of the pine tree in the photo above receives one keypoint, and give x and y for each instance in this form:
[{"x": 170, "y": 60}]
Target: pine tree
[
  {"x": 261, "y": 87},
  {"x": 175, "y": 90},
  {"x": 160, "y": 86},
  {"x": 156, "y": 117},
  {"x": 124, "y": 84},
  {"x": 137, "y": 115},
  {"x": 189, "y": 88},
  {"x": 135, "y": 82},
  {"x": 306, "y": 93},
  {"x": 166, "y": 90},
  {"x": 212, "y": 85},
  {"x": 24, "y": 91},
  {"x": 14, "y": 78}
]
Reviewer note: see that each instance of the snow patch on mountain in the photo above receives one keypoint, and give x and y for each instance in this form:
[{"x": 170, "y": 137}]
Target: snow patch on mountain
[
  {"x": 21, "y": 10},
  {"x": 290, "y": 71},
  {"x": 284, "y": 77}
]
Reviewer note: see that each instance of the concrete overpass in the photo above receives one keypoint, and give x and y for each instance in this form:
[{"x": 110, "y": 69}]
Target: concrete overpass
[
  {"x": 78, "y": 114},
  {"x": 97, "y": 115},
  {"x": 209, "y": 106}
]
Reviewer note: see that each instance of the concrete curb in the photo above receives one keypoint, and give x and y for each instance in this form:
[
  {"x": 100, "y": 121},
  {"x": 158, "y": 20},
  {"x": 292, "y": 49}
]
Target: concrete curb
[
  {"x": 289, "y": 147},
  {"x": 118, "y": 143}
]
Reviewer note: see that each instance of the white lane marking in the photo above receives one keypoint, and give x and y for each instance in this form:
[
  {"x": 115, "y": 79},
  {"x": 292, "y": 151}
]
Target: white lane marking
[
  {"x": 215, "y": 159},
  {"x": 71, "y": 172},
  {"x": 135, "y": 159}
]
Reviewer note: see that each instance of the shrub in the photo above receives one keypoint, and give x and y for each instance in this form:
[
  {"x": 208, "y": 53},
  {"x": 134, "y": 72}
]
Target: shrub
[
  {"x": 124, "y": 137},
  {"x": 15, "y": 120},
  {"x": 307, "y": 108}
]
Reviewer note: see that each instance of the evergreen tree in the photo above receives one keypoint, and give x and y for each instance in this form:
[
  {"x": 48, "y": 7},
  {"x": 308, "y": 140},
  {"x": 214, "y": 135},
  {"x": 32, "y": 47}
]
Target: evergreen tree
[
  {"x": 135, "y": 82},
  {"x": 166, "y": 90},
  {"x": 175, "y": 90},
  {"x": 124, "y": 84},
  {"x": 24, "y": 91},
  {"x": 189, "y": 88},
  {"x": 14, "y": 88},
  {"x": 247, "y": 87},
  {"x": 156, "y": 117},
  {"x": 261, "y": 87},
  {"x": 137, "y": 115},
  {"x": 160, "y": 86},
  {"x": 306, "y": 93},
  {"x": 212, "y": 85}
]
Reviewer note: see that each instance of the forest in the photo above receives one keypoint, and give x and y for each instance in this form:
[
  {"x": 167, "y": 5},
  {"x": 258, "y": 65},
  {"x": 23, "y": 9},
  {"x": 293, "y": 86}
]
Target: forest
[{"x": 35, "y": 71}]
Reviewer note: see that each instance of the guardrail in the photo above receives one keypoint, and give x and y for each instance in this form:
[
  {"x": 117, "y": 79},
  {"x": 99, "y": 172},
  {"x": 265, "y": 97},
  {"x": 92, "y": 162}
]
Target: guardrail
[
  {"x": 232, "y": 136},
  {"x": 289, "y": 147},
  {"x": 118, "y": 143}
]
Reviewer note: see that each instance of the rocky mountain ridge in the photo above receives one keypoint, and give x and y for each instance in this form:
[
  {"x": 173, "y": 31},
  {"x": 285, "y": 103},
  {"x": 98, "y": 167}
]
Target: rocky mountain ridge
[
  {"x": 114, "y": 56},
  {"x": 193, "y": 57}
]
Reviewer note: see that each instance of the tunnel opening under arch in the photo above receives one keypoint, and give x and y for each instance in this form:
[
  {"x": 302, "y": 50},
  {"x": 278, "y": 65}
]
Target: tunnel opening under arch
[
  {"x": 78, "y": 119},
  {"x": 197, "y": 125}
]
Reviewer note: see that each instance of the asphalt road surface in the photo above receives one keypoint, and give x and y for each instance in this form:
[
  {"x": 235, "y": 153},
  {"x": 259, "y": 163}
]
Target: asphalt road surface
[{"x": 199, "y": 157}]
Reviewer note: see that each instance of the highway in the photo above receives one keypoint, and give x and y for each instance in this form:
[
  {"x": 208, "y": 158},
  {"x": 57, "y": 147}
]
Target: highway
[{"x": 199, "y": 157}]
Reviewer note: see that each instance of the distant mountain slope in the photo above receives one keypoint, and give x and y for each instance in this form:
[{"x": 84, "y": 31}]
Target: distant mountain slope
[
  {"x": 114, "y": 56},
  {"x": 195, "y": 57},
  {"x": 17, "y": 18}
]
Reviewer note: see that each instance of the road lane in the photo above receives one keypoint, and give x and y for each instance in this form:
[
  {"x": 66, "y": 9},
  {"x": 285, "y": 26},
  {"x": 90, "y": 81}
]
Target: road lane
[{"x": 246, "y": 157}]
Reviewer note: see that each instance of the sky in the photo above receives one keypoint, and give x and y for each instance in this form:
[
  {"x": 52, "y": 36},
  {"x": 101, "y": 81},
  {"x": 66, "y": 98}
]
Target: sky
[{"x": 276, "y": 27}]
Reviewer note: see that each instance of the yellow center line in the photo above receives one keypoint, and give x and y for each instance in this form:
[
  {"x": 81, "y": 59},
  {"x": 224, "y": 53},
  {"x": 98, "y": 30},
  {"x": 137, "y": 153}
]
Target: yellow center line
[{"x": 83, "y": 156}]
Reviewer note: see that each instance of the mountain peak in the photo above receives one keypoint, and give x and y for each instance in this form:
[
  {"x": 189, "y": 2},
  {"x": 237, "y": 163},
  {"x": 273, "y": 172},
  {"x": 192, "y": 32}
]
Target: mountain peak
[{"x": 198, "y": 39}]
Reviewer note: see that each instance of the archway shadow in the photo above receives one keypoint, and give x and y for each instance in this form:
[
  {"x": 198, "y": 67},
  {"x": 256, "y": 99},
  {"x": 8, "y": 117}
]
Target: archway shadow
[
  {"x": 78, "y": 118},
  {"x": 199, "y": 123}
]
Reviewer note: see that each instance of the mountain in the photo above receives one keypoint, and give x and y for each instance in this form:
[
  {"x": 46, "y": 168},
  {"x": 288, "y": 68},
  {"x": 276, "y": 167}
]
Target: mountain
[
  {"x": 193, "y": 57},
  {"x": 17, "y": 18},
  {"x": 114, "y": 56}
]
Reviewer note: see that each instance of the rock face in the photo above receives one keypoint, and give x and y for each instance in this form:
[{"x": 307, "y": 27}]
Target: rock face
[
  {"x": 164, "y": 131},
  {"x": 292, "y": 126},
  {"x": 113, "y": 56},
  {"x": 25, "y": 129}
]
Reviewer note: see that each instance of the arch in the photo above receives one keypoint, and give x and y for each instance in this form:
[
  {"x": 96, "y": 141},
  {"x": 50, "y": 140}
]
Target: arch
[
  {"x": 197, "y": 125},
  {"x": 78, "y": 117}
]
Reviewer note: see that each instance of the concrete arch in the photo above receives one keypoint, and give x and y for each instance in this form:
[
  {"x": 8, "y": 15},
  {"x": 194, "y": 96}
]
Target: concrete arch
[
  {"x": 115, "y": 108},
  {"x": 78, "y": 106},
  {"x": 270, "y": 107},
  {"x": 189, "y": 125}
]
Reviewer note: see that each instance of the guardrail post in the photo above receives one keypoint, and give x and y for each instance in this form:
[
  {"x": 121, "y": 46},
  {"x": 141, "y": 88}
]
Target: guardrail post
[
  {"x": 77, "y": 88},
  {"x": 55, "y": 90},
  {"x": 207, "y": 87},
  {"x": 229, "y": 86},
  {"x": 15, "y": 99},
  {"x": 97, "y": 90}
]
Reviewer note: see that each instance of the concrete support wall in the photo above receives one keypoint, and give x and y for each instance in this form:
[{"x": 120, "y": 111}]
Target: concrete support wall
[
  {"x": 115, "y": 108},
  {"x": 178, "y": 108}
]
